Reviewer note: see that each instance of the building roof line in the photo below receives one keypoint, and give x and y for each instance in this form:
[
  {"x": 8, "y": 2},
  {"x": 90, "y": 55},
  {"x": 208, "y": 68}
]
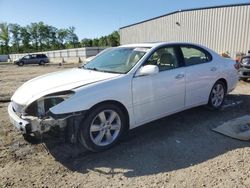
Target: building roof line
[{"x": 187, "y": 10}]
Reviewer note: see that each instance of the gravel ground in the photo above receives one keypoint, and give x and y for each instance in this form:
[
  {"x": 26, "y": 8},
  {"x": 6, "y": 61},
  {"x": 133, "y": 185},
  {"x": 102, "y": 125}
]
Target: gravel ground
[{"x": 176, "y": 151}]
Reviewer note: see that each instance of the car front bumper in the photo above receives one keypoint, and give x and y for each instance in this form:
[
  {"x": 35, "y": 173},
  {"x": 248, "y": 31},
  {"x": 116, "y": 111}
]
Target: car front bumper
[
  {"x": 244, "y": 72},
  {"x": 21, "y": 124},
  {"x": 31, "y": 124}
]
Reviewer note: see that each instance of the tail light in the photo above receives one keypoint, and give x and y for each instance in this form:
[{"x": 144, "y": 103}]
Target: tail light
[{"x": 237, "y": 65}]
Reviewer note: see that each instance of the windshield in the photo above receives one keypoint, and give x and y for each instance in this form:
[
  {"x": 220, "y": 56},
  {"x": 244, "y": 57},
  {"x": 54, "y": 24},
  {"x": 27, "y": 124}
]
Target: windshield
[{"x": 117, "y": 60}]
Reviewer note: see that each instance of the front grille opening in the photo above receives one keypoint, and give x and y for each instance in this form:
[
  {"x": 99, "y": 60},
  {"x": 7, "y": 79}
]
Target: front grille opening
[{"x": 32, "y": 109}]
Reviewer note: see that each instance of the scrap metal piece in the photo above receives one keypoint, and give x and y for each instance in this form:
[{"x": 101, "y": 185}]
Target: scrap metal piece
[
  {"x": 238, "y": 128},
  {"x": 230, "y": 103}
]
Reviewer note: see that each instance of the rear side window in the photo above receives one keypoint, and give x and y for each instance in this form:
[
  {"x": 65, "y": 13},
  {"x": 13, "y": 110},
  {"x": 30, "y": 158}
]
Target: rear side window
[
  {"x": 41, "y": 56},
  {"x": 194, "y": 56}
]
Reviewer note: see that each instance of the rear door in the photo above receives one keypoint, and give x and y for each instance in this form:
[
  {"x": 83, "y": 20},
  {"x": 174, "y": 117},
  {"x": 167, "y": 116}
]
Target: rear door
[
  {"x": 201, "y": 73},
  {"x": 157, "y": 95},
  {"x": 33, "y": 59}
]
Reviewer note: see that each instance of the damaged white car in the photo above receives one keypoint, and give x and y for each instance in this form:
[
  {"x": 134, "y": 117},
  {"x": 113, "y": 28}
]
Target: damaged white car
[{"x": 122, "y": 88}]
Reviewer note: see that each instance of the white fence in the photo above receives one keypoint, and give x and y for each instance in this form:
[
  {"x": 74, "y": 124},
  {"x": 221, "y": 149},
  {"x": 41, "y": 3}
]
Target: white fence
[{"x": 67, "y": 55}]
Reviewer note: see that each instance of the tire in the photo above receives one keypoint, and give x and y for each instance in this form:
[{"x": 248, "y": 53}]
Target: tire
[
  {"x": 217, "y": 95},
  {"x": 98, "y": 132},
  {"x": 33, "y": 139},
  {"x": 21, "y": 63},
  {"x": 41, "y": 63}
]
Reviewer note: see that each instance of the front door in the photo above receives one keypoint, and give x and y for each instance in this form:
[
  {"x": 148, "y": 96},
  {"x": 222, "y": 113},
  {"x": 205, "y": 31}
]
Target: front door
[
  {"x": 155, "y": 96},
  {"x": 27, "y": 59}
]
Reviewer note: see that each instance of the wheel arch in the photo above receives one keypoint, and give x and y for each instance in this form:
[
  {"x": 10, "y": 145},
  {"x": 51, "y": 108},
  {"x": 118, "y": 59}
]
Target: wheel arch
[{"x": 224, "y": 81}]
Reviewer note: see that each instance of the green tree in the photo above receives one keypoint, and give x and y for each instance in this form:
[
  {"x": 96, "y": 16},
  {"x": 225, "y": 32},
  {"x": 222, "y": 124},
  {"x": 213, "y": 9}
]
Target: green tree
[
  {"x": 95, "y": 42},
  {"x": 72, "y": 38},
  {"x": 40, "y": 37},
  {"x": 103, "y": 41},
  {"x": 114, "y": 39},
  {"x": 25, "y": 39},
  {"x": 33, "y": 29},
  {"x": 86, "y": 42},
  {"x": 15, "y": 30},
  {"x": 4, "y": 37},
  {"x": 53, "y": 42},
  {"x": 62, "y": 35},
  {"x": 43, "y": 35}
]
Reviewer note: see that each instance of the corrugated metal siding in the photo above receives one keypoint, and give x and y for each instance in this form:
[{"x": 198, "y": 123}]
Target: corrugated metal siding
[{"x": 221, "y": 29}]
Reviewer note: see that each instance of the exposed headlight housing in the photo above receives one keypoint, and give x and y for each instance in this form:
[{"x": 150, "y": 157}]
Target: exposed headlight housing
[{"x": 40, "y": 107}]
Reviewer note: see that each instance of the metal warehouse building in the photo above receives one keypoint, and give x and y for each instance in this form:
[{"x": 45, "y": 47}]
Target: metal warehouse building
[{"x": 221, "y": 28}]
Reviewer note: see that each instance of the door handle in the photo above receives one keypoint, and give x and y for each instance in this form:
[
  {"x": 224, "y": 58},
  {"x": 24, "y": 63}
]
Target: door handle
[
  {"x": 179, "y": 76},
  {"x": 213, "y": 69}
]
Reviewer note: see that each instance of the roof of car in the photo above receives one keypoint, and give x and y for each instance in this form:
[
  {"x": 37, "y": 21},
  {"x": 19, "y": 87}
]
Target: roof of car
[
  {"x": 154, "y": 44},
  {"x": 151, "y": 44}
]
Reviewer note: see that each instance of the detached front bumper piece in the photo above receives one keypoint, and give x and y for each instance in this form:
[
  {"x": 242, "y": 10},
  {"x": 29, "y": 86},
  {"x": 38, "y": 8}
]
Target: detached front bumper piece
[
  {"x": 21, "y": 124},
  {"x": 32, "y": 124}
]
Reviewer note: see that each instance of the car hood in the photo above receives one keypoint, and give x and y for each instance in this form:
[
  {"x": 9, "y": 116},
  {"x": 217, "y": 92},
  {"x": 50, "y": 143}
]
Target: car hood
[{"x": 56, "y": 82}]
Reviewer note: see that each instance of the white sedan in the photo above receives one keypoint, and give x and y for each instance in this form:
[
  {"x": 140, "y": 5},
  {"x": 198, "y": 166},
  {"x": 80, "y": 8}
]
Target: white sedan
[{"x": 122, "y": 88}]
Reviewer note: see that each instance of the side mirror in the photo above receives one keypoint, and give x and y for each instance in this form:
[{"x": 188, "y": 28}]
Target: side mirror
[{"x": 147, "y": 70}]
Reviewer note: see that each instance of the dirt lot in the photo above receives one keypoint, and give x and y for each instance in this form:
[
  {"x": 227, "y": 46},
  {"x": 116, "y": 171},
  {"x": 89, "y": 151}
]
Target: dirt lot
[{"x": 177, "y": 151}]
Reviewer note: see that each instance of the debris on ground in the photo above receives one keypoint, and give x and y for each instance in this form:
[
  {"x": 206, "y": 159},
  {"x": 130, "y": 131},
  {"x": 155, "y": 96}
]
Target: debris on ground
[
  {"x": 230, "y": 103},
  {"x": 238, "y": 128}
]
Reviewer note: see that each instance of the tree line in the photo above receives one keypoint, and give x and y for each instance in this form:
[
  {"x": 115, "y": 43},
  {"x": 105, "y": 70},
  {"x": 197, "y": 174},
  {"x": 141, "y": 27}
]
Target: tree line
[{"x": 42, "y": 37}]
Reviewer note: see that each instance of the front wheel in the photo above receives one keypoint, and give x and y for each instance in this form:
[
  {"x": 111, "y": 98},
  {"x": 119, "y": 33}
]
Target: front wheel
[
  {"x": 21, "y": 63},
  {"x": 217, "y": 95},
  {"x": 102, "y": 128},
  {"x": 41, "y": 63}
]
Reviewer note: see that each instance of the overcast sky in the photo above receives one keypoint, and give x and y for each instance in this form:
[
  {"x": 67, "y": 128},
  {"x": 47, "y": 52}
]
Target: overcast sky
[{"x": 94, "y": 18}]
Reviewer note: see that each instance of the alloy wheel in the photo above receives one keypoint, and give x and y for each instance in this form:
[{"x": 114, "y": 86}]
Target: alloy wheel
[
  {"x": 105, "y": 127},
  {"x": 218, "y": 94}
]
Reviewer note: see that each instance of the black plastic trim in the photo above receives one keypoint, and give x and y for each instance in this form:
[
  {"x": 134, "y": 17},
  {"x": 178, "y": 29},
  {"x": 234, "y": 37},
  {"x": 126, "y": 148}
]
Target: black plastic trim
[{"x": 61, "y": 116}]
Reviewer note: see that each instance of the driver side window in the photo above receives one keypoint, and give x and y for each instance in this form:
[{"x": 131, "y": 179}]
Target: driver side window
[
  {"x": 27, "y": 57},
  {"x": 165, "y": 58}
]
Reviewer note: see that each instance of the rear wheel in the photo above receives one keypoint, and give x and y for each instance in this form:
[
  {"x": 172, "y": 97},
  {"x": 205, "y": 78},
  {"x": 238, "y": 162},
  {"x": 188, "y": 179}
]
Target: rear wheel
[
  {"x": 217, "y": 95},
  {"x": 20, "y": 63},
  {"x": 102, "y": 128},
  {"x": 41, "y": 63}
]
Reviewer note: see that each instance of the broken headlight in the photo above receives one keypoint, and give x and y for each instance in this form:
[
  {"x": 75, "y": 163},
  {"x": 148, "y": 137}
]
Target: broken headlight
[{"x": 40, "y": 107}]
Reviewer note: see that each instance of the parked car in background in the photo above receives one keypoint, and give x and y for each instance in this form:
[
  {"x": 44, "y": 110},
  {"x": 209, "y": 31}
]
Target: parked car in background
[
  {"x": 39, "y": 59},
  {"x": 123, "y": 88},
  {"x": 244, "y": 67}
]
